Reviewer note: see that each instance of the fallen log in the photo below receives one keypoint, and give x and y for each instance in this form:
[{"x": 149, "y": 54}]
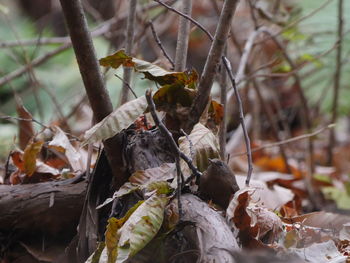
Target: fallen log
[{"x": 50, "y": 207}]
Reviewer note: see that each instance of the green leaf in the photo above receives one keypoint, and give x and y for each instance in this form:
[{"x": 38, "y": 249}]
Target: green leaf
[
  {"x": 340, "y": 197},
  {"x": 141, "y": 227},
  {"x": 161, "y": 187},
  {"x": 118, "y": 120},
  {"x": 322, "y": 178},
  {"x": 204, "y": 146},
  {"x": 310, "y": 58},
  {"x": 293, "y": 34},
  {"x": 116, "y": 60}
]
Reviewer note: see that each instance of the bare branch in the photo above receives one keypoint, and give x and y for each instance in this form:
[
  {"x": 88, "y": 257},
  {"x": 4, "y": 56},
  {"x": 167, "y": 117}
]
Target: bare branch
[
  {"x": 89, "y": 69},
  {"x": 183, "y": 37},
  {"x": 86, "y": 57},
  {"x": 337, "y": 78},
  {"x": 223, "y": 100},
  {"x": 212, "y": 62},
  {"x": 130, "y": 29},
  {"x": 175, "y": 149},
  {"x": 100, "y": 30},
  {"x": 154, "y": 33},
  {"x": 241, "y": 119},
  {"x": 127, "y": 85},
  {"x": 188, "y": 17},
  {"x": 38, "y": 61},
  {"x": 22, "y": 119},
  {"x": 294, "y": 139},
  {"x": 207, "y": 78}
]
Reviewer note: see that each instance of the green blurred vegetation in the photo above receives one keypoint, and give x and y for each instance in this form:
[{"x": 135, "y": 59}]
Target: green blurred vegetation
[
  {"x": 60, "y": 74},
  {"x": 313, "y": 37}
]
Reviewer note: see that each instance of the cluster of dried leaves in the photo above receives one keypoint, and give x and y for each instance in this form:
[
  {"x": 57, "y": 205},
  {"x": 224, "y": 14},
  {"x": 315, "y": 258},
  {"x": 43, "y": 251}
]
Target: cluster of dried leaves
[
  {"x": 46, "y": 159},
  {"x": 267, "y": 214}
]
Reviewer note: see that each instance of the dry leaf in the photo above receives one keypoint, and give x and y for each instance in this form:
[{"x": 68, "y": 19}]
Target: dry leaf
[{"x": 25, "y": 128}]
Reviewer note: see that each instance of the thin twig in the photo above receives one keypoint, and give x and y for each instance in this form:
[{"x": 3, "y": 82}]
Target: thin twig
[
  {"x": 337, "y": 78},
  {"x": 127, "y": 85},
  {"x": 175, "y": 150},
  {"x": 304, "y": 105},
  {"x": 241, "y": 119},
  {"x": 76, "y": 107},
  {"x": 92, "y": 11},
  {"x": 252, "y": 14},
  {"x": 305, "y": 110},
  {"x": 244, "y": 66},
  {"x": 298, "y": 20},
  {"x": 223, "y": 100},
  {"x": 32, "y": 78},
  {"x": 179, "y": 181},
  {"x": 237, "y": 136},
  {"x": 173, "y": 145},
  {"x": 314, "y": 196},
  {"x": 130, "y": 31},
  {"x": 12, "y": 119},
  {"x": 98, "y": 31},
  {"x": 291, "y": 72},
  {"x": 183, "y": 37},
  {"x": 38, "y": 61},
  {"x": 212, "y": 62},
  {"x": 159, "y": 43},
  {"x": 22, "y": 119},
  {"x": 188, "y": 17},
  {"x": 206, "y": 81},
  {"x": 294, "y": 139},
  {"x": 190, "y": 144},
  {"x": 245, "y": 56}
]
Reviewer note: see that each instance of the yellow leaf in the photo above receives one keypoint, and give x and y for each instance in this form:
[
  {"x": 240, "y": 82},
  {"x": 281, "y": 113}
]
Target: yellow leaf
[
  {"x": 29, "y": 157},
  {"x": 116, "y": 60}
]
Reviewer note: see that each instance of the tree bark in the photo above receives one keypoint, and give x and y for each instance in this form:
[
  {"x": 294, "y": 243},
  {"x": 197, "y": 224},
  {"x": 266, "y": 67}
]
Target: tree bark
[
  {"x": 130, "y": 29},
  {"x": 183, "y": 37},
  {"x": 39, "y": 207},
  {"x": 90, "y": 72},
  {"x": 212, "y": 62}
]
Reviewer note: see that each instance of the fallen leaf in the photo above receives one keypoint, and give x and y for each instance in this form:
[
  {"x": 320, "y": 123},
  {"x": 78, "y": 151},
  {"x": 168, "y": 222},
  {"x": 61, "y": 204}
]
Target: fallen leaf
[
  {"x": 321, "y": 220},
  {"x": 25, "y": 128},
  {"x": 273, "y": 197},
  {"x": 29, "y": 157},
  {"x": 323, "y": 252},
  {"x": 61, "y": 143},
  {"x": 253, "y": 221}
]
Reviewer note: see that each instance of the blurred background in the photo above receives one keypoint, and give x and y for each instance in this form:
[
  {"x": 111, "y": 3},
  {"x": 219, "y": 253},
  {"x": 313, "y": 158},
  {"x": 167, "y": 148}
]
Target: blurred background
[{"x": 52, "y": 91}]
